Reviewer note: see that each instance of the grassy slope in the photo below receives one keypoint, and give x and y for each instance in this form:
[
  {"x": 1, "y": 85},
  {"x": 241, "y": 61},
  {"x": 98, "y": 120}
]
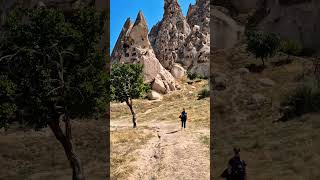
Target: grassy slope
[{"x": 272, "y": 150}]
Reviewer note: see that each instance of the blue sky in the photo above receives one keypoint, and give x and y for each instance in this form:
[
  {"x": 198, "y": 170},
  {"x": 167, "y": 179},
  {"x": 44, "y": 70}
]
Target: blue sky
[{"x": 120, "y": 10}]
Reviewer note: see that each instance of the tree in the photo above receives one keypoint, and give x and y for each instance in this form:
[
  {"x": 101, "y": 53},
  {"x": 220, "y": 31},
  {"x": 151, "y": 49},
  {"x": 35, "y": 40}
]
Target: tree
[
  {"x": 291, "y": 47},
  {"x": 262, "y": 45},
  {"x": 52, "y": 72},
  {"x": 126, "y": 84}
]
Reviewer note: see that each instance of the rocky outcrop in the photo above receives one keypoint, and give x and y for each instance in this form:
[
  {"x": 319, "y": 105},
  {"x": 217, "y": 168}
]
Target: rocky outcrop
[
  {"x": 169, "y": 34},
  {"x": 133, "y": 46},
  {"x": 199, "y": 15},
  {"x": 195, "y": 54},
  {"x": 296, "y": 20},
  {"x": 244, "y": 6},
  {"x": 183, "y": 40},
  {"x": 226, "y": 31},
  {"x": 292, "y": 19}
]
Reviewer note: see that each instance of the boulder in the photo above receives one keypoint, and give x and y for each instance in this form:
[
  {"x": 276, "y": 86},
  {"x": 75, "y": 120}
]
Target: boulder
[
  {"x": 243, "y": 71},
  {"x": 153, "y": 95},
  {"x": 266, "y": 82},
  {"x": 256, "y": 101},
  {"x": 158, "y": 85},
  {"x": 178, "y": 71}
]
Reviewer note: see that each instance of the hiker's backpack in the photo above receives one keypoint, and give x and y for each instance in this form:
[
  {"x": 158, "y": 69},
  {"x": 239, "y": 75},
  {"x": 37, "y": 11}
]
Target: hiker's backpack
[
  {"x": 238, "y": 169},
  {"x": 183, "y": 116}
]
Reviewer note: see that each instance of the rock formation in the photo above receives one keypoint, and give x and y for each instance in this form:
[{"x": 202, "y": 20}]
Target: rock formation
[
  {"x": 195, "y": 54},
  {"x": 199, "y": 15},
  {"x": 225, "y": 30},
  {"x": 169, "y": 34},
  {"x": 133, "y": 46},
  {"x": 292, "y": 20},
  {"x": 184, "y": 40}
]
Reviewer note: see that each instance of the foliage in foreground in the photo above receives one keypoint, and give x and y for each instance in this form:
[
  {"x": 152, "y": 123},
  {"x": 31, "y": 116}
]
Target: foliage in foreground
[{"x": 51, "y": 70}]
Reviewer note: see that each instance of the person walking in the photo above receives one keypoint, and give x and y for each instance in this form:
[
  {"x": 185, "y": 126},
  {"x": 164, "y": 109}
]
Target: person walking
[
  {"x": 183, "y": 116},
  {"x": 236, "y": 167}
]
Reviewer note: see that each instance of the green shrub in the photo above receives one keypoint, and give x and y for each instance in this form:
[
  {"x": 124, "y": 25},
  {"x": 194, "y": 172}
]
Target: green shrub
[
  {"x": 291, "y": 47},
  {"x": 193, "y": 76},
  {"x": 302, "y": 100},
  {"x": 204, "y": 93}
]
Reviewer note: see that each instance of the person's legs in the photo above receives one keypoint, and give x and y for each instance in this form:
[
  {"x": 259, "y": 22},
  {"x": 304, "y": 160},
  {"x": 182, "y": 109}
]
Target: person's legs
[
  {"x": 181, "y": 124},
  {"x": 184, "y": 124}
]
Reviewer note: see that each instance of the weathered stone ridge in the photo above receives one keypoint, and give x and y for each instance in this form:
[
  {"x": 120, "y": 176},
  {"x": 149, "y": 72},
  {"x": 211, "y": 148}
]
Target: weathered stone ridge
[
  {"x": 133, "y": 46},
  {"x": 183, "y": 40},
  {"x": 169, "y": 34}
]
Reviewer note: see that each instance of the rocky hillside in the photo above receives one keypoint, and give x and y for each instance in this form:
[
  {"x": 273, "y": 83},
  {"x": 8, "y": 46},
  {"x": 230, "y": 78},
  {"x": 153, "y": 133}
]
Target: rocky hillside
[
  {"x": 184, "y": 40},
  {"x": 246, "y": 106},
  {"x": 176, "y": 44}
]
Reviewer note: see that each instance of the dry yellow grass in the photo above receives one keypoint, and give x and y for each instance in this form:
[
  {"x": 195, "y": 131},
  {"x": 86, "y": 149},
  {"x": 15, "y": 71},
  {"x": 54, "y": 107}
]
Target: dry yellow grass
[
  {"x": 123, "y": 144},
  {"x": 125, "y": 141}
]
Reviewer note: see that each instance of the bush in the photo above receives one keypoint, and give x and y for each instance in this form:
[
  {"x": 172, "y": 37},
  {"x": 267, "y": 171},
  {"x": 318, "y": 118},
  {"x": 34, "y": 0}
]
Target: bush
[
  {"x": 204, "y": 93},
  {"x": 302, "y": 100},
  {"x": 262, "y": 45},
  {"x": 290, "y": 47},
  {"x": 193, "y": 76}
]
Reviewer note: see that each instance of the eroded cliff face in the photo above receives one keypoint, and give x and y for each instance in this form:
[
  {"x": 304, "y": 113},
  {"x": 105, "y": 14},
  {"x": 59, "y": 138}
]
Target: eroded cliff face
[
  {"x": 169, "y": 34},
  {"x": 292, "y": 19},
  {"x": 133, "y": 46},
  {"x": 297, "y": 20},
  {"x": 195, "y": 54},
  {"x": 183, "y": 40},
  {"x": 226, "y": 31}
]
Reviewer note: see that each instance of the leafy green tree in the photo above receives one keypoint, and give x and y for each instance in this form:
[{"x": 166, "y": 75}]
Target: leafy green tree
[
  {"x": 127, "y": 84},
  {"x": 262, "y": 45},
  {"x": 52, "y": 72},
  {"x": 7, "y": 106},
  {"x": 290, "y": 47}
]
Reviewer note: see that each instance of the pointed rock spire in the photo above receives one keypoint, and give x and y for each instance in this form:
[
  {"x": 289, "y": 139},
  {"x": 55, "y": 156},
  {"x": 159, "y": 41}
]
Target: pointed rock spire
[
  {"x": 169, "y": 34},
  {"x": 133, "y": 46},
  {"x": 140, "y": 19},
  {"x": 116, "y": 52}
]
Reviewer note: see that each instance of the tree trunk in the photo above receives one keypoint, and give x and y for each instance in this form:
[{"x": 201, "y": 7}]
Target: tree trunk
[
  {"x": 77, "y": 171},
  {"x": 129, "y": 103}
]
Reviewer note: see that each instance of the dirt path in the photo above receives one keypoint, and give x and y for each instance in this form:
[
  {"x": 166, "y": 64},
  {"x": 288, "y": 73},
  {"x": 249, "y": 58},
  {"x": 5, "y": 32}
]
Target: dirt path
[{"x": 172, "y": 153}]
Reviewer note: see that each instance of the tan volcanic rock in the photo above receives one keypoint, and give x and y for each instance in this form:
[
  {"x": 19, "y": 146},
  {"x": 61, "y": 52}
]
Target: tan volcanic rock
[{"x": 133, "y": 46}]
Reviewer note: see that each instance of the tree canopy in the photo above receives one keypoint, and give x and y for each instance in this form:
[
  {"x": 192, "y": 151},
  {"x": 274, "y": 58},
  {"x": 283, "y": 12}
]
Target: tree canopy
[
  {"x": 127, "y": 83},
  {"x": 262, "y": 45},
  {"x": 51, "y": 69}
]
